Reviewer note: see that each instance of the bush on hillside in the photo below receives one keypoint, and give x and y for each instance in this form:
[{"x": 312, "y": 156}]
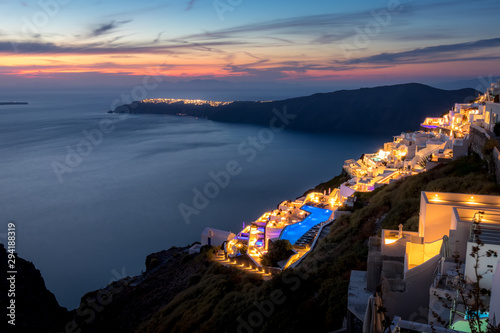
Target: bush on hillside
[
  {"x": 279, "y": 251},
  {"x": 496, "y": 129}
]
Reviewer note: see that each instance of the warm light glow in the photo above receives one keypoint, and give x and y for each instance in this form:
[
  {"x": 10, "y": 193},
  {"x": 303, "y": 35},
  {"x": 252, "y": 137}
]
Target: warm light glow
[
  {"x": 390, "y": 241},
  {"x": 383, "y": 154},
  {"x": 185, "y": 101}
]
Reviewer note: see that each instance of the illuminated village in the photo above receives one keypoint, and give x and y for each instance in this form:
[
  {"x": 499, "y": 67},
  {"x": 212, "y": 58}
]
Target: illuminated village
[
  {"x": 406, "y": 264},
  {"x": 197, "y": 102}
]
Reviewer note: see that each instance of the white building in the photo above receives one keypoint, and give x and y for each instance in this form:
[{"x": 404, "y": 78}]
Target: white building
[
  {"x": 415, "y": 269},
  {"x": 215, "y": 237},
  {"x": 491, "y": 114}
]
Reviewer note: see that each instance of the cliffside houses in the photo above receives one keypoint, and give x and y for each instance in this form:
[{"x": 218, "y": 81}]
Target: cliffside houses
[
  {"x": 408, "y": 154},
  {"x": 297, "y": 221},
  {"x": 420, "y": 276},
  {"x": 300, "y": 222},
  {"x": 488, "y": 106},
  {"x": 411, "y": 268},
  {"x": 439, "y": 140}
]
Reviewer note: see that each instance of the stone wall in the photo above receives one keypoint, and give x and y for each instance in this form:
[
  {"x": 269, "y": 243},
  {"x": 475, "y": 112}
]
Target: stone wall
[
  {"x": 496, "y": 158},
  {"x": 477, "y": 139}
]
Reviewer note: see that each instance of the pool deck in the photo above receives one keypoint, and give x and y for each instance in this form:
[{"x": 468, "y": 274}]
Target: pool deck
[{"x": 295, "y": 231}]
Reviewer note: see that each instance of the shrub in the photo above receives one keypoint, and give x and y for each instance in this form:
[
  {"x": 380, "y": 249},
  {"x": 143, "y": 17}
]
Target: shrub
[
  {"x": 279, "y": 251},
  {"x": 154, "y": 262},
  {"x": 496, "y": 129},
  {"x": 194, "y": 279},
  {"x": 489, "y": 145}
]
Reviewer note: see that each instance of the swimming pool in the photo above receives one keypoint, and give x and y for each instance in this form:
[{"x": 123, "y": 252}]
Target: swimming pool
[{"x": 295, "y": 231}]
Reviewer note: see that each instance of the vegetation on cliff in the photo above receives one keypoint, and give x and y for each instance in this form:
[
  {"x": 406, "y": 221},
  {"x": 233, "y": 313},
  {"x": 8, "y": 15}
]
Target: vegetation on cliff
[
  {"x": 192, "y": 293},
  {"x": 180, "y": 292}
]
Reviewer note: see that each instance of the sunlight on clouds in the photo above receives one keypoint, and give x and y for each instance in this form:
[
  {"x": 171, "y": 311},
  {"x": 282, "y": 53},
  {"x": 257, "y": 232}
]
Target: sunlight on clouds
[{"x": 267, "y": 41}]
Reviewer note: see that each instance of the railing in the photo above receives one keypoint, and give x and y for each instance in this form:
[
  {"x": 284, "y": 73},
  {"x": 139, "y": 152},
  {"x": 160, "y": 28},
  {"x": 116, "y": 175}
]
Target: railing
[
  {"x": 290, "y": 260},
  {"x": 480, "y": 129},
  {"x": 256, "y": 265},
  {"x": 323, "y": 224},
  {"x": 398, "y": 323},
  {"x": 438, "y": 274},
  {"x": 488, "y": 233}
]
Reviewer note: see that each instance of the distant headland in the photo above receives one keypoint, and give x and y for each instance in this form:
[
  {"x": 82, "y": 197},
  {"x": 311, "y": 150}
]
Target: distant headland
[
  {"x": 381, "y": 110},
  {"x": 14, "y": 103}
]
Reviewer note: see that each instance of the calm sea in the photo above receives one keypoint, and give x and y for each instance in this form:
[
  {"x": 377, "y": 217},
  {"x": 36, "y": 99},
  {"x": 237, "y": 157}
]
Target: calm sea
[{"x": 117, "y": 199}]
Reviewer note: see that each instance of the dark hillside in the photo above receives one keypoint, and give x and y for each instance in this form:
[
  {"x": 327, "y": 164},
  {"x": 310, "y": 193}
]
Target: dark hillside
[
  {"x": 37, "y": 309},
  {"x": 191, "y": 293},
  {"x": 381, "y": 110}
]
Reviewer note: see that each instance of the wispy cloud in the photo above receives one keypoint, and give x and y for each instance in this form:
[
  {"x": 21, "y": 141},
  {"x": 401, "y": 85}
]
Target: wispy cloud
[
  {"x": 278, "y": 48},
  {"x": 191, "y": 4},
  {"x": 302, "y": 25},
  {"x": 157, "y": 39},
  {"x": 334, "y": 27},
  {"x": 137, "y": 11},
  {"x": 105, "y": 48},
  {"x": 107, "y": 27},
  {"x": 438, "y": 53},
  {"x": 298, "y": 67}
]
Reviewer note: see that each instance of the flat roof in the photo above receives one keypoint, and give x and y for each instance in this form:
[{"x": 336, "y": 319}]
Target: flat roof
[
  {"x": 462, "y": 199},
  {"x": 467, "y": 214}
]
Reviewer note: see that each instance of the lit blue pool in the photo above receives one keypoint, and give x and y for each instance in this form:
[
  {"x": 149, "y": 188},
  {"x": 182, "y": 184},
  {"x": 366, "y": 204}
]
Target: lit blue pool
[{"x": 295, "y": 231}]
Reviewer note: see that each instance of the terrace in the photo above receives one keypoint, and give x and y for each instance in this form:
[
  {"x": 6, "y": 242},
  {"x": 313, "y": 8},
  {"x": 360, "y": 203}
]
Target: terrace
[
  {"x": 442, "y": 155},
  {"x": 454, "y": 277},
  {"x": 400, "y": 158},
  {"x": 431, "y": 266},
  {"x": 355, "y": 168},
  {"x": 297, "y": 221},
  {"x": 454, "y": 124},
  {"x": 304, "y": 232},
  {"x": 431, "y": 122},
  {"x": 328, "y": 201}
]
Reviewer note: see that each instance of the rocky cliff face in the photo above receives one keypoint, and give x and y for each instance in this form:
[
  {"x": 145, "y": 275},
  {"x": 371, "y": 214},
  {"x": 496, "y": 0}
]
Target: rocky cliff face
[
  {"x": 127, "y": 303},
  {"x": 192, "y": 293},
  {"x": 36, "y": 308}
]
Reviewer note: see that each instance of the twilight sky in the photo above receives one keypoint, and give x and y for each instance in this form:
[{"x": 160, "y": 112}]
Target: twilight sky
[{"x": 320, "y": 41}]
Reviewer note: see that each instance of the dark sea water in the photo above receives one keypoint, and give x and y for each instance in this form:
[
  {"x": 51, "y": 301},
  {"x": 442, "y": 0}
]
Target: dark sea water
[{"x": 120, "y": 202}]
